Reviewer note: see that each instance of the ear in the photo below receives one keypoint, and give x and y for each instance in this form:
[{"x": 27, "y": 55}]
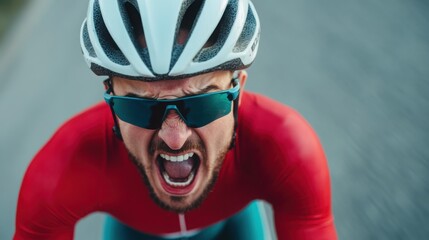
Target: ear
[{"x": 242, "y": 76}]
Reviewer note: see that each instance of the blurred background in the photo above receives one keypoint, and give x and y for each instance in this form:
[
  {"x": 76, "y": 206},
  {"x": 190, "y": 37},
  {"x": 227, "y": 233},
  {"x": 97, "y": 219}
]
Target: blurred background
[{"x": 358, "y": 71}]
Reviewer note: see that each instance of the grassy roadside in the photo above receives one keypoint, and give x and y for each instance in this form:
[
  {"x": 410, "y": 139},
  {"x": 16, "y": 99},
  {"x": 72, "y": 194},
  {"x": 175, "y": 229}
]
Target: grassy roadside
[{"x": 8, "y": 11}]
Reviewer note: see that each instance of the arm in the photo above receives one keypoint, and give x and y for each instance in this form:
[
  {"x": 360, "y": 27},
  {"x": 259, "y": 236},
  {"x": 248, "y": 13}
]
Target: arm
[
  {"x": 60, "y": 186},
  {"x": 304, "y": 211},
  {"x": 39, "y": 214},
  {"x": 302, "y": 199}
]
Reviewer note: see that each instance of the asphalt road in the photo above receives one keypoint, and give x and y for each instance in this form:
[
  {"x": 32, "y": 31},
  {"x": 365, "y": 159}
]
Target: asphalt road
[{"x": 357, "y": 70}]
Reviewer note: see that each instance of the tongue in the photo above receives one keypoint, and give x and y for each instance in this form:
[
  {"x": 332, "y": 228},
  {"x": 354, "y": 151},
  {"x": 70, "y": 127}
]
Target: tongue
[{"x": 179, "y": 170}]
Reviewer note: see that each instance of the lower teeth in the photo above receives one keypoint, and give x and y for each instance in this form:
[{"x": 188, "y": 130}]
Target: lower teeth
[{"x": 178, "y": 184}]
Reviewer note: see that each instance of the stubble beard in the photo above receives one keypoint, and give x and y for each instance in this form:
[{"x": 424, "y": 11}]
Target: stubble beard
[{"x": 207, "y": 189}]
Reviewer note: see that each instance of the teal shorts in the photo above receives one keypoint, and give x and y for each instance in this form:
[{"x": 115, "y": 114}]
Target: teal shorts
[{"x": 250, "y": 223}]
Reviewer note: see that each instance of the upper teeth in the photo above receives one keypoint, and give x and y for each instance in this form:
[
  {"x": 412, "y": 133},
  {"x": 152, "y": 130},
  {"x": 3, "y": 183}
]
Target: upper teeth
[{"x": 177, "y": 158}]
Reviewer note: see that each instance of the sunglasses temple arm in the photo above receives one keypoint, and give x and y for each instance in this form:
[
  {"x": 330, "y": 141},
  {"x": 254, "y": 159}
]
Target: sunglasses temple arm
[
  {"x": 235, "y": 113},
  {"x": 109, "y": 87},
  {"x": 116, "y": 130}
]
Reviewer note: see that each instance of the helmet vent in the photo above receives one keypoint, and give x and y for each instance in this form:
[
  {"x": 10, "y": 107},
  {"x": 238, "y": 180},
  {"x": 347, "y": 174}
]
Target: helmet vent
[
  {"x": 191, "y": 9},
  {"x": 132, "y": 20},
  {"x": 247, "y": 32},
  {"x": 87, "y": 41},
  {"x": 218, "y": 38},
  {"x": 187, "y": 19},
  {"x": 109, "y": 46},
  {"x": 134, "y": 24}
]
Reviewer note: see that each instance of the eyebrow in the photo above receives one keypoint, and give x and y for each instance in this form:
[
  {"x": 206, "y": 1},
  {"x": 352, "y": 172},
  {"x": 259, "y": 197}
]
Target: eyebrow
[
  {"x": 135, "y": 95},
  {"x": 202, "y": 91},
  {"x": 206, "y": 89}
]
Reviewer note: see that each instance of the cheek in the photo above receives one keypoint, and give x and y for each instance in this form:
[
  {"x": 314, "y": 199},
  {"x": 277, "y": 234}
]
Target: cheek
[
  {"x": 135, "y": 138},
  {"x": 218, "y": 133}
]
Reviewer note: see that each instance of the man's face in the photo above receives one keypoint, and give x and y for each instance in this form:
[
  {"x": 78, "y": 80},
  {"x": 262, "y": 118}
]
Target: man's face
[{"x": 179, "y": 164}]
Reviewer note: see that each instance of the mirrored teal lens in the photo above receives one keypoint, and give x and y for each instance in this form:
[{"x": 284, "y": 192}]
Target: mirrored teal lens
[
  {"x": 140, "y": 113},
  {"x": 201, "y": 111}
]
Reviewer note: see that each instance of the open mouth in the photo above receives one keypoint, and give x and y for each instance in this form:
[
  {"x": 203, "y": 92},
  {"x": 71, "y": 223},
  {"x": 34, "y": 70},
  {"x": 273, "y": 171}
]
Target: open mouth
[{"x": 178, "y": 172}]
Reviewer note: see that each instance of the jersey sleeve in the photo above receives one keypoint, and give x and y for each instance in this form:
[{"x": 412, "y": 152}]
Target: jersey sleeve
[
  {"x": 302, "y": 200},
  {"x": 61, "y": 184},
  {"x": 289, "y": 169},
  {"x": 38, "y": 216}
]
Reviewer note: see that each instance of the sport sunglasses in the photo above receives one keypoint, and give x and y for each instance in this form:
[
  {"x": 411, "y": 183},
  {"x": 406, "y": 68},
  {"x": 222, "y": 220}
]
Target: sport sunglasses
[{"x": 196, "y": 111}]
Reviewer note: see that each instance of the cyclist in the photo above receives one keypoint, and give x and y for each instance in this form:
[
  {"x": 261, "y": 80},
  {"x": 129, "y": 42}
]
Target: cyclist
[{"x": 191, "y": 152}]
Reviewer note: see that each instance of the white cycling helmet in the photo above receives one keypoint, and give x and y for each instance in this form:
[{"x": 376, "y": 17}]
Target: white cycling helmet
[{"x": 168, "y": 39}]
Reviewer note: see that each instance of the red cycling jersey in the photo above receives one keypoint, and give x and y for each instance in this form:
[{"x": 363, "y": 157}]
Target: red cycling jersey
[{"x": 84, "y": 168}]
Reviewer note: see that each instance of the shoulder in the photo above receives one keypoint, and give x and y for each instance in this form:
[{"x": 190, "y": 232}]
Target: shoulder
[
  {"x": 282, "y": 158},
  {"x": 277, "y": 142},
  {"x": 91, "y": 121},
  {"x": 62, "y": 177},
  {"x": 276, "y": 126},
  {"x": 80, "y": 141},
  {"x": 82, "y": 136}
]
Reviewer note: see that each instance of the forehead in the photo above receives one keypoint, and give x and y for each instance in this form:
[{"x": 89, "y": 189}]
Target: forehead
[{"x": 220, "y": 80}]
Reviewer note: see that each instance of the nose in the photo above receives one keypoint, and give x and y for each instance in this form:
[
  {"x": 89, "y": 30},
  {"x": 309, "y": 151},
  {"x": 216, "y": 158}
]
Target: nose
[{"x": 174, "y": 131}]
